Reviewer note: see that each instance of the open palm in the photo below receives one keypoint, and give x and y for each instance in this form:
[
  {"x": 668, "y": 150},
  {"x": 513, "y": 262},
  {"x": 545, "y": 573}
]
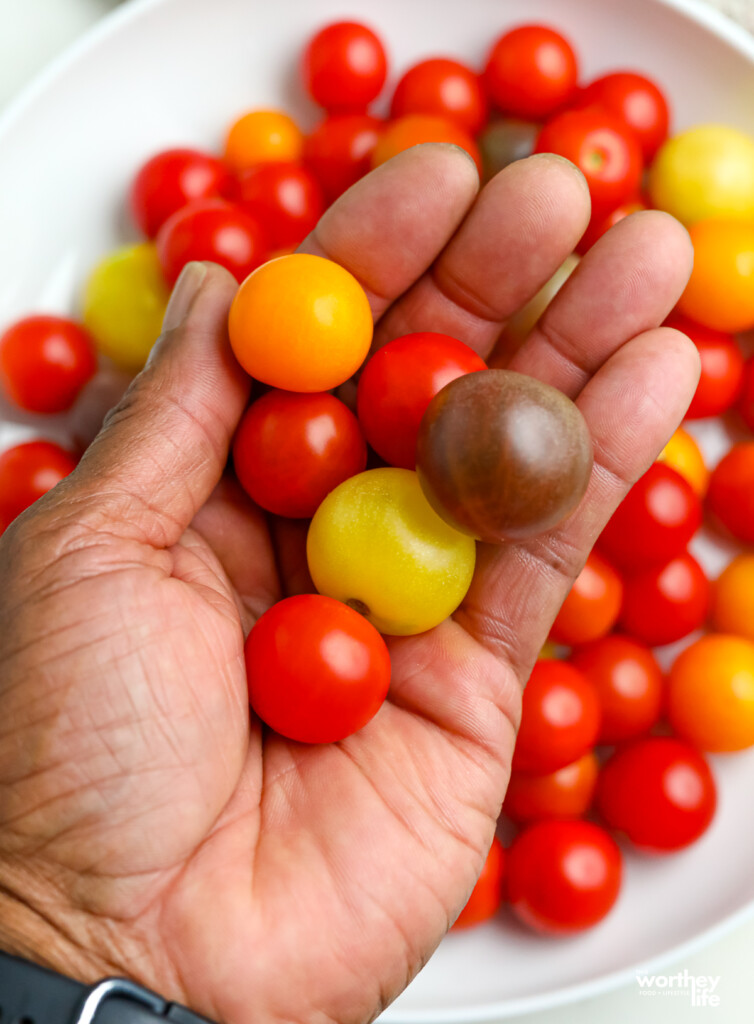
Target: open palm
[{"x": 147, "y": 827}]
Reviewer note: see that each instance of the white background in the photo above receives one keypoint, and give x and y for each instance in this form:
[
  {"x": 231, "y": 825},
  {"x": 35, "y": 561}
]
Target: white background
[{"x": 33, "y": 32}]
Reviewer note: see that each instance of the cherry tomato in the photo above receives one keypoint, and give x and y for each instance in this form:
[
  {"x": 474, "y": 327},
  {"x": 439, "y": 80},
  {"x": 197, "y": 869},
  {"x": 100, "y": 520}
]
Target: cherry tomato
[
  {"x": 339, "y": 151},
  {"x": 445, "y": 88},
  {"x": 665, "y": 603},
  {"x": 628, "y": 682},
  {"x": 730, "y": 497},
  {"x": 599, "y": 225},
  {"x": 416, "y": 129},
  {"x": 27, "y": 471},
  {"x": 635, "y": 99},
  {"x": 657, "y": 791},
  {"x": 487, "y": 895},
  {"x": 285, "y": 199},
  {"x": 344, "y": 67},
  {"x": 603, "y": 148},
  {"x": 566, "y": 793},
  {"x": 654, "y": 522},
  {"x": 711, "y": 693},
  {"x": 684, "y": 455},
  {"x": 592, "y": 606},
  {"x": 531, "y": 72},
  {"x": 45, "y": 361},
  {"x": 291, "y": 450},
  {"x": 262, "y": 136},
  {"x": 399, "y": 382},
  {"x": 505, "y": 141},
  {"x": 301, "y": 323},
  {"x": 560, "y": 719},
  {"x": 720, "y": 292},
  {"x": 746, "y": 401},
  {"x": 563, "y": 876},
  {"x": 722, "y": 368},
  {"x": 733, "y": 598},
  {"x": 171, "y": 180},
  {"x": 317, "y": 670}
]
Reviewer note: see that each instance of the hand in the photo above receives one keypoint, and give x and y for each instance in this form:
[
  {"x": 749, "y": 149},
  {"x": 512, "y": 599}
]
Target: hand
[{"x": 147, "y": 828}]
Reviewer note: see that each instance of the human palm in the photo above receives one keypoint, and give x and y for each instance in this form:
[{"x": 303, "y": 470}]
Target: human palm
[{"x": 147, "y": 827}]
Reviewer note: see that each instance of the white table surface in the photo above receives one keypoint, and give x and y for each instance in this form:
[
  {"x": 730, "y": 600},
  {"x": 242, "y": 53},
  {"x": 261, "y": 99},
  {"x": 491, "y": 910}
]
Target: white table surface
[{"x": 35, "y": 31}]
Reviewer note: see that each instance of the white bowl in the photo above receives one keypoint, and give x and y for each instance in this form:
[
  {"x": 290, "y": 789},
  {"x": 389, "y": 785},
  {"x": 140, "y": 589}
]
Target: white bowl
[{"x": 163, "y": 72}]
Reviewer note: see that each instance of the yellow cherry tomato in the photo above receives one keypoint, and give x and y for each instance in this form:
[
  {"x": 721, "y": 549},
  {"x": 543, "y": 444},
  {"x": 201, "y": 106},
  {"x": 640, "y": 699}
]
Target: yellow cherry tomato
[
  {"x": 263, "y": 136},
  {"x": 710, "y": 697},
  {"x": 124, "y": 304},
  {"x": 525, "y": 320},
  {"x": 720, "y": 292},
  {"x": 301, "y": 323},
  {"x": 705, "y": 172},
  {"x": 377, "y": 544},
  {"x": 733, "y": 598},
  {"x": 683, "y": 454}
]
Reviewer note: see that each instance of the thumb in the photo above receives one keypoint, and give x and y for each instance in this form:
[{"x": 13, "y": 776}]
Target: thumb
[{"x": 163, "y": 448}]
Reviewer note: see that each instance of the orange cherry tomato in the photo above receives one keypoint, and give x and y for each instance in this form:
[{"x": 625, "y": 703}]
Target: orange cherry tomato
[
  {"x": 415, "y": 129},
  {"x": 487, "y": 894},
  {"x": 592, "y": 606},
  {"x": 733, "y": 598},
  {"x": 683, "y": 454},
  {"x": 263, "y": 136},
  {"x": 720, "y": 292},
  {"x": 566, "y": 793},
  {"x": 301, "y": 323},
  {"x": 711, "y": 693}
]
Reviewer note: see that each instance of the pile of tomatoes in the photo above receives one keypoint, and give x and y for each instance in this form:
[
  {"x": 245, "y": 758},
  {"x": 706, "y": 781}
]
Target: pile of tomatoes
[{"x": 610, "y": 742}]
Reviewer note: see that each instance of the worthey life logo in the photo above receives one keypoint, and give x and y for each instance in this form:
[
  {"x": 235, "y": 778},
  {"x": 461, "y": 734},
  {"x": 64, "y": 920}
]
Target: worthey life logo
[{"x": 700, "y": 987}]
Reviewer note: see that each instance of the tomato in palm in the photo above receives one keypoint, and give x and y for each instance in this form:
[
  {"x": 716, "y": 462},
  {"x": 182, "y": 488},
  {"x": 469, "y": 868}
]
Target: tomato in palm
[
  {"x": 603, "y": 148},
  {"x": 733, "y": 598},
  {"x": 415, "y": 130},
  {"x": 317, "y": 670},
  {"x": 487, "y": 895},
  {"x": 27, "y": 471},
  {"x": 344, "y": 67},
  {"x": 657, "y": 791},
  {"x": 592, "y": 606},
  {"x": 339, "y": 151},
  {"x": 730, "y": 497},
  {"x": 746, "y": 401},
  {"x": 443, "y": 87},
  {"x": 215, "y": 231},
  {"x": 722, "y": 368},
  {"x": 531, "y": 72},
  {"x": 720, "y": 291},
  {"x": 563, "y": 876},
  {"x": 654, "y": 522},
  {"x": 560, "y": 719},
  {"x": 45, "y": 361},
  {"x": 665, "y": 603},
  {"x": 285, "y": 198},
  {"x": 399, "y": 382},
  {"x": 565, "y": 793},
  {"x": 636, "y": 100},
  {"x": 171, "y": 180},
  {"x": 291, "y": 450},
  {"x": 629, "y": 684}
]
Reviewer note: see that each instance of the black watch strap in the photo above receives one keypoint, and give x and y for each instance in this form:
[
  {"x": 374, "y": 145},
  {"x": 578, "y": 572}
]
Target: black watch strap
[{"x": 30, "y": 994}]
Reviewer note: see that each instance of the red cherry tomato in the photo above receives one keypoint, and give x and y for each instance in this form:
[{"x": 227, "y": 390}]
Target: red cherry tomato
[
  {"x": 318, "y": 671},
  {"x": 215, "y": 231},
  {"x": 560, "y": 719},
  {"x": 487, "y": 895},
  {"x": 344, "y": 67},
  {"x": 445, "y": 88},
  {"x": 291, "y": 450},
  {"x": 659, "y": 792},
  {"x": 566, "y": 793},
  {"x": 285, "y": 198},
  {"x": 171, "y": 180},
  {"x": 600, "y": 225},
  {"x": 531, "y": 72},
  {"x": 45, "y": 361},
  {"x": 339, "y": 151},
  {"x": 592, "y": 606},
  {"x": 399, "y": 382},
  {"x": 665, "y": 603},
  {"x": 722, "y": 368},
  {"x": 746, "y": 401},
  {"x": 28, "y": 471},
  {"x": 603, "y": 148},
  {"x": 563, "y": 876},
  {"x": 628, "y": 682},
  {"x": 636, "y": 100},
  {"x": 730, "y": 497},
  {"x": 654, "y": 522}
]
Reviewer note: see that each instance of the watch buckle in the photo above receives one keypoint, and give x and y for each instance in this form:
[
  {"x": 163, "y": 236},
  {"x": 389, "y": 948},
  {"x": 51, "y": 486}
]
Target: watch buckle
[{"x": 111, "y": 987}]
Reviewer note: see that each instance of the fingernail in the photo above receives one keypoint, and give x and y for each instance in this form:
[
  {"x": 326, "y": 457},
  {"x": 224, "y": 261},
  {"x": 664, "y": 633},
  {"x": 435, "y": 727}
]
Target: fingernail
[{"x": 186, "y": 287}]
